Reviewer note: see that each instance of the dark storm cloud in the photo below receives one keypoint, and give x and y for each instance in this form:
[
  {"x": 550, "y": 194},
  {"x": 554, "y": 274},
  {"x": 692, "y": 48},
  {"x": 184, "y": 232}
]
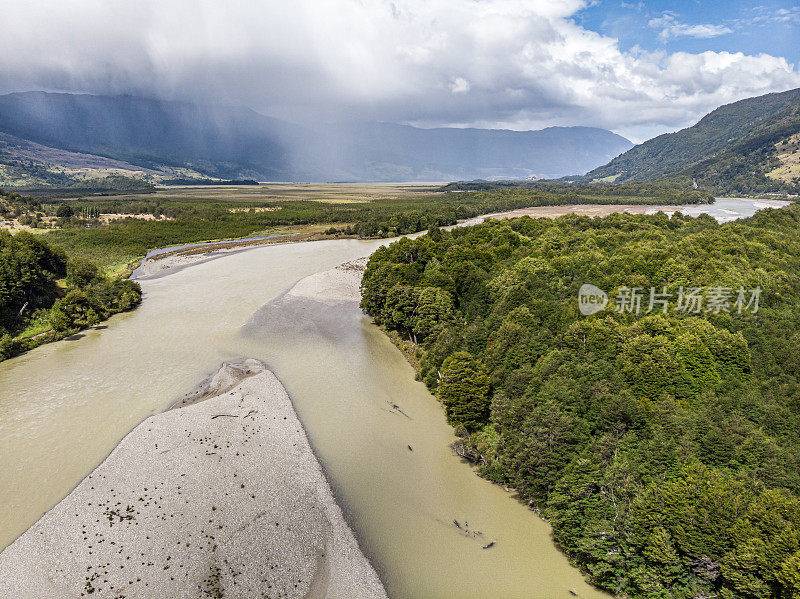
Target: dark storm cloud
[{"x": 512, "y": 63}]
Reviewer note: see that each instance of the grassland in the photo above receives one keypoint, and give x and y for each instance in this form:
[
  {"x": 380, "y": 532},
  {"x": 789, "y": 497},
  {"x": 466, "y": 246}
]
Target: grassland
[
  {"x": 787, "y": 158},
  {"x": 330, "y": 193}
]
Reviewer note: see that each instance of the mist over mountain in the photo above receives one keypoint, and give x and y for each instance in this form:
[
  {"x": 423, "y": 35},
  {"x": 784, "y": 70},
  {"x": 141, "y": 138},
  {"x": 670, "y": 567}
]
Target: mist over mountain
[
  {"x": 148, "y": 132},
  {"x": 398, "y": 152},
  {"x": 233, "y": 142}
]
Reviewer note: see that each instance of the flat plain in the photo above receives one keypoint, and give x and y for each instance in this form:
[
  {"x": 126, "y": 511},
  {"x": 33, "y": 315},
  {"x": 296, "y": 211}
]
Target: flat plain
[{"x": 332, "y": 193}]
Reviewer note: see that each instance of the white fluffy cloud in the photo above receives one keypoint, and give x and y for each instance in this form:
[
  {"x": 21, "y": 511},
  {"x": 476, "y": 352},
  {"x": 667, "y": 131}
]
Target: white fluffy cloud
[
  {"x": 671, "y": 27},
  {"x": 515, "y": 63}
]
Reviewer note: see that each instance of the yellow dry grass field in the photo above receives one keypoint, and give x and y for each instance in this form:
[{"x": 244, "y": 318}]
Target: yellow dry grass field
[
  {"x": 789, "y": 155},
  {"x": 334, "y": 193},
  {"x": 107, "y": 218},
  {"x": 255, "y": 209},
  {"x": 13, "y": 224}
]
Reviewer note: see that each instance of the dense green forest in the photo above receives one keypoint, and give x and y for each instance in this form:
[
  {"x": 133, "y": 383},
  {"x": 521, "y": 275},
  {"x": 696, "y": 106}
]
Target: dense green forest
[
  {"x": 44, "y": 295},
  {"x": 634, "y": 192},
  {"x": 192, "y": 221},
  {"x": 661, "y": 445},
  {"x": 729, "y": 151}
]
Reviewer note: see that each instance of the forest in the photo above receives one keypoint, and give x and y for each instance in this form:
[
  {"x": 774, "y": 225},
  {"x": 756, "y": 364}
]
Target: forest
[
  {"x": 44, "y": 295},
  {"x": 661, "y": 445},
  {"x": 651, "y": 192}
]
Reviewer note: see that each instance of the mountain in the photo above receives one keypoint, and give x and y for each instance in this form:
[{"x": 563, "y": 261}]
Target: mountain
[
  {"x": 749, "y": 146},
  {"x": 149, "y": 133},
  {"x": 24, "y": 163},
  {"x": 161, "y": 138},
  {"x": 399, "y": 152}
]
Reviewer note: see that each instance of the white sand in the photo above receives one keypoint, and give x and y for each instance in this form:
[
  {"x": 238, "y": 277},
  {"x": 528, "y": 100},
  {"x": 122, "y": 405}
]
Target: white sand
[
  {"x": 339, "y": 284},
  {"x": 579, "y": 209},
  {"x": 168, "y": 262},
  {"x": 221, "y": 497}
]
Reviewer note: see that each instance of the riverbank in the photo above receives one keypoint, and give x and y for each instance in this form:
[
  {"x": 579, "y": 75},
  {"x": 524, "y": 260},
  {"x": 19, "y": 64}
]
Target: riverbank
[
  {"x": 220, "y": 495},
  {"x": 451, "y": 532},
  {"x": 585, "y": 210},
  {"x": 162, "y": 262},
  {"x": 723, "y": 209},
  {"x": 48, "y": 296},
  {"x": 345, "y": 379},
  {"x": 167, "y": 260}
]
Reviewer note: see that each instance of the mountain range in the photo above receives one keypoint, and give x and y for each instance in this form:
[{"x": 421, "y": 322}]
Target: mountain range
[
  {"x": 55, "y": 139},
  {"x": 747, "y": 147},
  {"x": 750, "y": 146}
]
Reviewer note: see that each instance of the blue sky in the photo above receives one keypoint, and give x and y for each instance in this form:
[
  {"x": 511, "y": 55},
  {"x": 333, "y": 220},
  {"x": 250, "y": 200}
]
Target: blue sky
[{"x": 692, "y": 26}]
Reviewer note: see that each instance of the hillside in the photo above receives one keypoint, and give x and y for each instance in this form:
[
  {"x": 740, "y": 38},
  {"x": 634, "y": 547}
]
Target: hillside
[
  {"x": 24, "y": 163},
  {"x": 154, "y": 137},
  {"x": 149, "y": 133},
  {"x": 750, "y": 146}
]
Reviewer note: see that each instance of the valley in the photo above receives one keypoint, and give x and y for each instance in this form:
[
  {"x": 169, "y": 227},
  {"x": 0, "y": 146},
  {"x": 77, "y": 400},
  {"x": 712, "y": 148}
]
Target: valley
[
  {"x": 56, "y": 140},
  {"x": 335, "y": 354}
]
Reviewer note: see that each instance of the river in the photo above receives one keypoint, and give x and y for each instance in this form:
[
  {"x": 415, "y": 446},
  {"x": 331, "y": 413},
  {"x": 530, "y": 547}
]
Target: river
[{"x": 64, "y": 406}]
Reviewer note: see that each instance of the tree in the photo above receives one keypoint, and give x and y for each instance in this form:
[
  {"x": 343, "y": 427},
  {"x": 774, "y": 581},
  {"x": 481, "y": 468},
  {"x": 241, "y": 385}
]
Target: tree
[
  {"x": 75, "y": 310},
  {"x": 789, "y": 576},
  {"x": 434, "y": 307},
  {"x": 65, "y": 211},
  {"x": 6, "y": 346},
  {"x": 464, "y": 391},
  {"x": 81, "y": 272},
  {"x": 400, "y": 306},
  {"x": 544, "y": 444},
  {"x": 60, "y": 318}
]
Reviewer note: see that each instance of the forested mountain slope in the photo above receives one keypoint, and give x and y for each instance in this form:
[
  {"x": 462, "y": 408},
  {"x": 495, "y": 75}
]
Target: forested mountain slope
[
  {"x": 737, "y": 148},
  {"x": 662, "y": 445}
]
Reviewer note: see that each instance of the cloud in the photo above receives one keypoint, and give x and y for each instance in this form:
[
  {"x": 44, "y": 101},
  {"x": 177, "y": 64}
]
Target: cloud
[
  {"x": 509, "y": 63},
  {"x": 788, "y": 15},
  {"x": 670, "y": 27},
  {"x": 764, "y": 16},
  {"x": 459, "y": 86}
]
